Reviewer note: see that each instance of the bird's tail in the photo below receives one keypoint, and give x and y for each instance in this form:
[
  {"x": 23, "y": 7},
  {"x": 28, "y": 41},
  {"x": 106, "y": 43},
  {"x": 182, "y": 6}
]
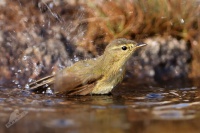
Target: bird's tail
[{"x": 42, "y": 84}]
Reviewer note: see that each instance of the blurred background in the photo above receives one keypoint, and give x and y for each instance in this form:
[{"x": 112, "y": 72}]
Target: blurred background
[
  {"x": 40, "y": 37},
  {"x": 161, "y": 90}
]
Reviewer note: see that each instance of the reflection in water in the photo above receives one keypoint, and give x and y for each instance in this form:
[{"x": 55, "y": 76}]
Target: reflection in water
[
  {"x": 173, "y": 114},
  {"x": 132, "y": 108}
]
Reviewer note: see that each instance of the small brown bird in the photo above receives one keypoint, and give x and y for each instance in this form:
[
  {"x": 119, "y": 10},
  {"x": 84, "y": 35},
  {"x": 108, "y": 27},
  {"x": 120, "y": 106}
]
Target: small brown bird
[{"x": 94, "y": 76}]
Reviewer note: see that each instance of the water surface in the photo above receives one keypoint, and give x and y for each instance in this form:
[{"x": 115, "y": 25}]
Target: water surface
[{"x": 132, "y": 107}]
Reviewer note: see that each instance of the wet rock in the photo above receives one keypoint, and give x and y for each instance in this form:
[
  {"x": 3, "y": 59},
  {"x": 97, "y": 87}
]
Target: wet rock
[
  {"x": 162, "y": 59},
  {"x": 24, "y": 60},
  {"x": 38, "y": 39}
]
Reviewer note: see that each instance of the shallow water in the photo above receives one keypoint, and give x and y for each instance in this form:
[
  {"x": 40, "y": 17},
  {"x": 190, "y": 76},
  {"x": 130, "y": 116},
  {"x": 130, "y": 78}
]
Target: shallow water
[{"x": 136, "y": 108}]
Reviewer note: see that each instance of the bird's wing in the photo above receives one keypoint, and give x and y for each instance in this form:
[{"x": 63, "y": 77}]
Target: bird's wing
[
  {"x": 75, "y": 84},
  {"x": 59, "y": 82},
  {"x": 66, "y": 82},
  {"x": 79, "y": 79},
  {"x": 82, "y": 90}
]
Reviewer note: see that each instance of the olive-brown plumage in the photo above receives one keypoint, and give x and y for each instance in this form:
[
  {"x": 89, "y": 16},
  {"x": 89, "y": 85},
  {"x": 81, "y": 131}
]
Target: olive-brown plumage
[{"x": 93, "y": 76}]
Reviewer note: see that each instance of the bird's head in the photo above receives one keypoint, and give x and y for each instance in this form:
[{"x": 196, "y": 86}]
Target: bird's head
[{"x": 122, "y": 49}]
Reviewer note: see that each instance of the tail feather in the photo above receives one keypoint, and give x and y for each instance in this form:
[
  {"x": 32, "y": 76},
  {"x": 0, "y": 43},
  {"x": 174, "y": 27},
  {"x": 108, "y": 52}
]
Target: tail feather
[{"x": 42, "y": 84}]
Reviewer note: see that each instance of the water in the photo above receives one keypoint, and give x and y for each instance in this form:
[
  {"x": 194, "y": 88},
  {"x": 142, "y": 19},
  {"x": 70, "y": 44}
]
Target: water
[{"x": 136, "y": 108}]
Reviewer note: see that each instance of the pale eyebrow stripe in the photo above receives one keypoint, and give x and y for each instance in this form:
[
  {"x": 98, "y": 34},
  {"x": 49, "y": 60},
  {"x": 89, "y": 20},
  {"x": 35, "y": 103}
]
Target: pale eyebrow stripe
[{"x": 119, "y": 46}]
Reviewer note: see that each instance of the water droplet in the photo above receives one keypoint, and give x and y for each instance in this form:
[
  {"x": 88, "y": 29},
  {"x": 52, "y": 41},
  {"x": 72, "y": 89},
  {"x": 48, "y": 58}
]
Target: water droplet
[
  {"x": 182, "y": 21},
  {"x": 24, "y": 58},
  {"x": 61, "y": 66},
  {"x": 49, "y": 91},
  {"x": 76, "y": 58},
  {"x": 12, "y": 68},
  {"x": 46, "y": 85},
  {"x": 16, "y": 82},
  {"x": 27, "y": 86},
  {"x": 30, "y": 80},
  {"x": 151, "y": 73},
  {"x": 19, "y": 86},
  {"x": 51, "y": 5}
]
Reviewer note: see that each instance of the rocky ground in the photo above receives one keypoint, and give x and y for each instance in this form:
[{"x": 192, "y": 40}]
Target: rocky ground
[{"x": 164, "y": 58}]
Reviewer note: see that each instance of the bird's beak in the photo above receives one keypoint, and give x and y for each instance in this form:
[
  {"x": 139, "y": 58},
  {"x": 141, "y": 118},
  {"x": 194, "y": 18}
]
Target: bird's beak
[{"x": 140, "y": 45}]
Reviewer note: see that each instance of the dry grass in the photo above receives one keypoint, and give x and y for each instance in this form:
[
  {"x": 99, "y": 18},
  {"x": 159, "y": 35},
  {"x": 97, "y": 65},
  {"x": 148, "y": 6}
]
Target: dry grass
[{"x": 137, "y": 19}]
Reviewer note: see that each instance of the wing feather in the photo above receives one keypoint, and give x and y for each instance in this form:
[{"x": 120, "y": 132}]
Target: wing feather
[
  {"x": 41, "y": 84},
  {"x": 68, "y": 83}
]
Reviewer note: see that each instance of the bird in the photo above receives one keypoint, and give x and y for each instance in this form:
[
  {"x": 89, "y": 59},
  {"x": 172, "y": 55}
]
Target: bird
[{"x": 91, "y": 76}]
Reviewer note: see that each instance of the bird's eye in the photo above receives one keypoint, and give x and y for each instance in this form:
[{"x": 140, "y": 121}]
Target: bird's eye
[{"x": 124, "y": 48}]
